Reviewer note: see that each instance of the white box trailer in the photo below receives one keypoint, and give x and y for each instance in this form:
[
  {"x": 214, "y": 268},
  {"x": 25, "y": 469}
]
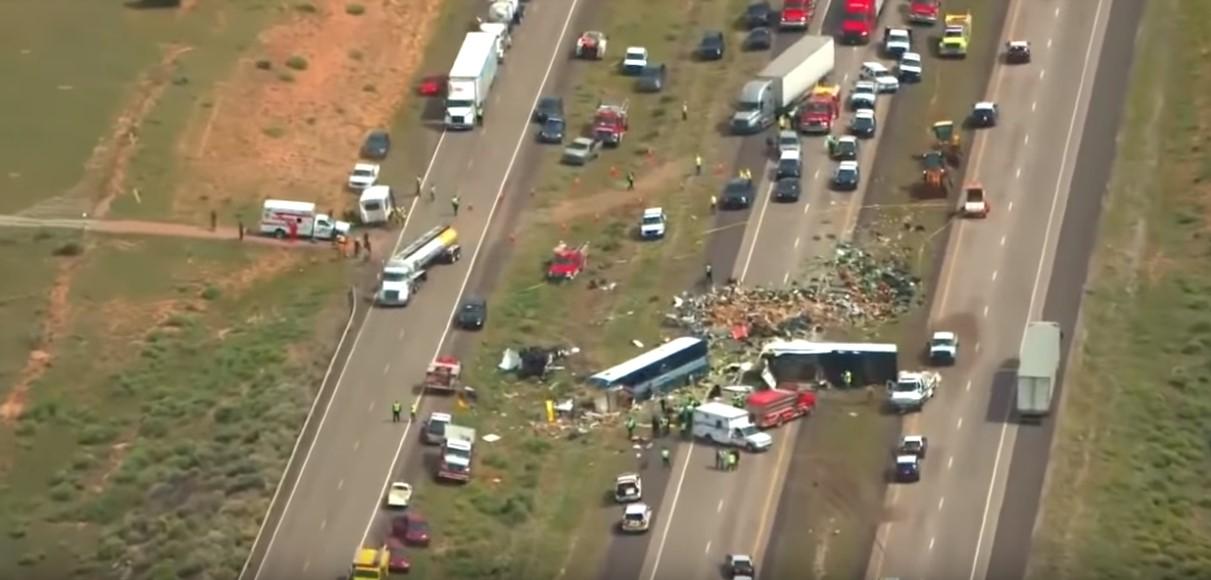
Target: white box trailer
[
  {"x": 1039, "y": 361},
  {"x": 471, "y": 80},
  {"x": 783, "y": 82},
  {"x": 298, "y": 219}
]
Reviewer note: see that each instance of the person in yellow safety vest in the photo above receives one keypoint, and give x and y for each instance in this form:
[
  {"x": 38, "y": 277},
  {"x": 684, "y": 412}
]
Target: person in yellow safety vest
[
  {"x": 415, "y": 408},
  {"x": 848, "y": 378}
]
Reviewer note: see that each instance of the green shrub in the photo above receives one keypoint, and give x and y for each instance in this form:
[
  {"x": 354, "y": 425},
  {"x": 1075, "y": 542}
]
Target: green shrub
[
  {"x": 69, "y": 249},
  {"x": 213, "y": 292},
  {"x": 264, "y": 64},
  {"x": 306, "y": 7},
  {"x": 355, "y": 9},
  {"x": 296, "y": 62}
]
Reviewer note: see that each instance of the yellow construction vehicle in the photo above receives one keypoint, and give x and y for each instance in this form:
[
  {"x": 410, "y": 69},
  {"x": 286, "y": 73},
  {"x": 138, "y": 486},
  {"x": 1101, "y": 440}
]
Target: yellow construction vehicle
[
  {"x": 947, "y": 140},
  {"x": 372, "y": 564}
]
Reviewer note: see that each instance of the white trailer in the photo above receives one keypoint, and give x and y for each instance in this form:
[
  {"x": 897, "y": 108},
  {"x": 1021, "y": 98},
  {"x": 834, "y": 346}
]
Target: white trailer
[
  {"x": 471, "y": 79},
  {"x": 298, "y": 219},
  {"x": 504, "y": 41},
  {"x": 783, "y": 82},
  {"x": 1039, "y": 361},
  {"x": 406, "y": 269}
]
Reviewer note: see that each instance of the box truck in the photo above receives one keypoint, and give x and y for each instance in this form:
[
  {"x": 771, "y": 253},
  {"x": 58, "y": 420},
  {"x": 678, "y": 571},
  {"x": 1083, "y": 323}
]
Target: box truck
[
  {"x": 1039, "y": 361},
  {"x": 471, "y": 80},
  {"x": 298, "y": 219}
]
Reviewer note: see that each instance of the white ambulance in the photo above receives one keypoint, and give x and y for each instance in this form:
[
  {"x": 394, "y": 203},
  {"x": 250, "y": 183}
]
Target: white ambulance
[{"x": 277, "y": 217}]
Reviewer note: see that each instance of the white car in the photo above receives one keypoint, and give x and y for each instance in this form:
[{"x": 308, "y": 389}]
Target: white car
[
  {"x": 885, "y": 81},
  {"x": 897, "y": 41},
  {"x": 399, "y": 495},
  {"x": 863, "y": 96},
  {"x": 634, "y": 60},
  {"x": 651, "y": 226},
  {"x": 628, "y": 488},
  {"x": 788, "y": 141},
  {"x": 944, "y": 348},
  {"x": 872, "y": 69},
  {"x": 910, "y": 68},
  {"x": 636, "y": 518},
  {"x": 364, "y": 175}
]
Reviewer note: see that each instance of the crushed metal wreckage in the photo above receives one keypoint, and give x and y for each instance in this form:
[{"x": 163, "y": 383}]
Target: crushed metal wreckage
[{"x": 855, "y": 288}]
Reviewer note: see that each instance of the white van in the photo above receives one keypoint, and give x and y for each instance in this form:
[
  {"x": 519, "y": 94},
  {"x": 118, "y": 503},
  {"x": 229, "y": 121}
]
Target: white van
[
  {"x": 723, "y": 424},
  {"x": 376, "y": 204},
  {"x": 282, "y": 219}
]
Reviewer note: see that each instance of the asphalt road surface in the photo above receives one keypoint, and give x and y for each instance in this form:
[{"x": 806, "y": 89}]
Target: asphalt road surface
[
  {"x": 333, "y": 506},
  {"x": 995, "y": 278}
]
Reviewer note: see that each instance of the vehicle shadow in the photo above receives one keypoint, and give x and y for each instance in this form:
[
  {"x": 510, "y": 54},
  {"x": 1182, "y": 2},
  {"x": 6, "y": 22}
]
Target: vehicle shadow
[
  {"x": 1003, "y": 394},
  {"x": 152, "y": 4}
]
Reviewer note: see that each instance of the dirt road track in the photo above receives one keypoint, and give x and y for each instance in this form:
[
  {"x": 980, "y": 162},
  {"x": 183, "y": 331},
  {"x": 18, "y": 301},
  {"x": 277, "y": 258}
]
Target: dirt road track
[{"x": 141, "y": 228}]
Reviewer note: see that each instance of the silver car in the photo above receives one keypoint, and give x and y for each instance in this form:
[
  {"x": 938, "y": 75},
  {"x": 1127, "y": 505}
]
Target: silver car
[{"x": 581, "y": 151}]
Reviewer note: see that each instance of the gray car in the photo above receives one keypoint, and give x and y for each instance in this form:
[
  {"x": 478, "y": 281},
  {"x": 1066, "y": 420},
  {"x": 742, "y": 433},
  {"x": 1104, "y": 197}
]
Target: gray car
[
  {"x": 651, "y": 80},
  {"x": 581, "y": 151}
]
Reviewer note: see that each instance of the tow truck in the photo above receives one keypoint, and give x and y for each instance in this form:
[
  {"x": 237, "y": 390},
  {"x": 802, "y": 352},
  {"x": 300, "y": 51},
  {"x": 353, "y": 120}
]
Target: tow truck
[
  {"x": 567, "y": 262},
  {"x": 912, "y": 389},
  {"x": 404, "y": 272},
  {"x": 821, "y": 109},
  {"x": 956, "y": 35},
  {"x": 443, "y": 374},
  {"x": 610, "y": 122},
  {"x": 924, "y": 11},
  {"x": 591, "y": 45},
  {"x": 456, "y": 455}
]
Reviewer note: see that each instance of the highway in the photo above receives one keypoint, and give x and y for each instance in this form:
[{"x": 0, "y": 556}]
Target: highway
[
  {"x": 331, "y": 508},
  {"x": 994, "y": 280}
]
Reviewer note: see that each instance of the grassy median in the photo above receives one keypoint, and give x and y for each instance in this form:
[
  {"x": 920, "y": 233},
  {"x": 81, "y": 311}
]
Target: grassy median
[{"x": 1126, "y": 492}]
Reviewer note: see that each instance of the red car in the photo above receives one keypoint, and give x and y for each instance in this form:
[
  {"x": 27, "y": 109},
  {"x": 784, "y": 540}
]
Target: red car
[
  {"x": 432, "y": 86},
  {"x": 399, "y": 562},
  {"x": 411, "y": 529}
]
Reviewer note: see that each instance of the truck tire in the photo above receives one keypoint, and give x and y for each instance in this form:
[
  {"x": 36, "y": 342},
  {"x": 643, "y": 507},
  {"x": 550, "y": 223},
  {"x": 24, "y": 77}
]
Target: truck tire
[{"x": 279, "y": 234}]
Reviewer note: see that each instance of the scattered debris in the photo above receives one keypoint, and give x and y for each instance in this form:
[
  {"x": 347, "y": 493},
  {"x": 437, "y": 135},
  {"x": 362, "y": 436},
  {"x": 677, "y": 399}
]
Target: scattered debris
[
  {"x": 491, "y": 438},
  {"x": 534, "y": 361}
]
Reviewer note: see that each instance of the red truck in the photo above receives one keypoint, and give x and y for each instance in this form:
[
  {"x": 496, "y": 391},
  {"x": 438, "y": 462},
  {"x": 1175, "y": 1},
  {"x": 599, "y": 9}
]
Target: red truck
[
  {"x": 567, "y": 262},
  {"x": 610, "y": 123},
  {"x": 861, "y": 17},
  {"x": 773, "y": 407},
  {"x": 796, "y": 14},
  {"x": 821, "y": 109},
  {"x": 924, "y": 11}
]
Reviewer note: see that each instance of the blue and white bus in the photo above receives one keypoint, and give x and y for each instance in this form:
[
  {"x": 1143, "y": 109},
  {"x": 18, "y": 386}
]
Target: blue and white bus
[{"x": 672, "y": 364}]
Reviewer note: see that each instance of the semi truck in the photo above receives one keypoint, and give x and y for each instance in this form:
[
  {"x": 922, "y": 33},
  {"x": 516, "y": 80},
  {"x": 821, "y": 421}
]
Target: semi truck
[
  {"x": 407, "y": 268},
  {"x": 471, "y": 80},
  {"x": 783, "y": 83},
  {"x": 1039, "y": 361},
  {"x": 457, "y": 452},
  {"x": 861, "y": 17}
]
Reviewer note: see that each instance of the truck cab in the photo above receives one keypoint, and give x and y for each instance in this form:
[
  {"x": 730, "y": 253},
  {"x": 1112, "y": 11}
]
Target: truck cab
[
  {"x": 371, "y": 564},
  {"x": 723, "y": 424},
  {"x": 796, "y": 14},
  {"x": 457, "y": 452},
  {"x": 757, "y": 107},
  {"x": 911, "y": 390}
]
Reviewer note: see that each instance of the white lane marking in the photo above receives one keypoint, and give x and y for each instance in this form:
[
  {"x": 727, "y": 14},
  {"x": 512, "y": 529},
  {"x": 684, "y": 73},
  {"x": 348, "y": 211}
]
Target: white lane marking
[
  {"x": 816, "y": 175},
  {"x": 1042, "y": 73},
  {"x": 306, "y": 565},
  {"x": 340, "y": 484},
  {"x": 931, "y": 540},
  {"x": 786, "y": 278},
  {"x": 1003, "y": 240},
  {"x": 1048, "y": 43},
  {"x": 977, "y": 347},
  {"x": 1026, "y": 140},
  {"x": 797, "y": 240},
  {"x": 968, "y": 388},
  {"x": 845, "y": 79},
  {"x": 950, "y": 461},
  {"x": 1057, "y": 13},
  {"x": 941, "y": 502},
  {"x": 1017, "y": 174},
  {"x": 708, "y": 548},
  {"x": 994, "y": 275},
  {"x": 402, "y": 333},
  {"x": 1034, "y": 106},
  {"x": 371, "y": 409},
  {"x": 323, "y": 524},
  {"x": 521, "y": 136},
  {"x": 806, "y": 207},
  {"x": 756, "y": 233},
  {"x": 357, "y": 444},
  {"x": 985, "y": 311},
  {"x": 959, "y": 424},
  {"x": 471, "y": 162},
  {"x": 719, "y": 508},
  {"x": 1011, "y": 206},
  {"x": 387, "y": 368},
  {"x": 1038, "y": 275}
]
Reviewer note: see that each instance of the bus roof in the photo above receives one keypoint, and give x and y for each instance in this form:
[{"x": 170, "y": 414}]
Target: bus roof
[
  {"x": 780, "y": 347},
  {"x": 616, "y": 372}
]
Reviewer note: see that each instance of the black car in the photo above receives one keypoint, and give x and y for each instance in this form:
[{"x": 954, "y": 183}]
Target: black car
[
  {"x": 759, "y": 14},
  {"x": 984, "y": 114},
  {"x": 908, "y": 468},
  {"x": 377, "y": 145},
  {"x": 651, "y": 79},
  {"x": 548, "y": 107},
  {"x": 790, "y": 167},
  {"x": 737, "y": 194},
  {"x": 847, "y": 175},
  {"x": 787, "y": 189},
  {"x": 712, "y": 45},
  {"x": 472, "y": 313},
  {"x": 552, "y": 130},
  {"x": 863, "y": 123},
  {"x": 759, "y": 39}
]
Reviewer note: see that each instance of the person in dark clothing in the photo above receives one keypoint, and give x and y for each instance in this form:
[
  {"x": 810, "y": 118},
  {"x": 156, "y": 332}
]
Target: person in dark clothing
[
  {"x": 366, "y": 244},
  {"x": 214, "y": 220}
]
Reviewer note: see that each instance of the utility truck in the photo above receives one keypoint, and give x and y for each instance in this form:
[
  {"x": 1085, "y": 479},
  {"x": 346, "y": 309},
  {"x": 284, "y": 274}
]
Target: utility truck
[
  {"x": 471, "y": 80},
  {"x": 912, "y": 389},
  {"x": 859, "y": 20},
  {"x": 299, "y": 219},
  {"x": 783, "y": 83},
  {"x": 457, "y": 452},
  {"x": 1039, "y": 361},
  {"x": 956, "y": 35},
  {"x": 821, "y": 109},
  {"x": 723, "y": 424},
  {"x": 404, "y": 272}
]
